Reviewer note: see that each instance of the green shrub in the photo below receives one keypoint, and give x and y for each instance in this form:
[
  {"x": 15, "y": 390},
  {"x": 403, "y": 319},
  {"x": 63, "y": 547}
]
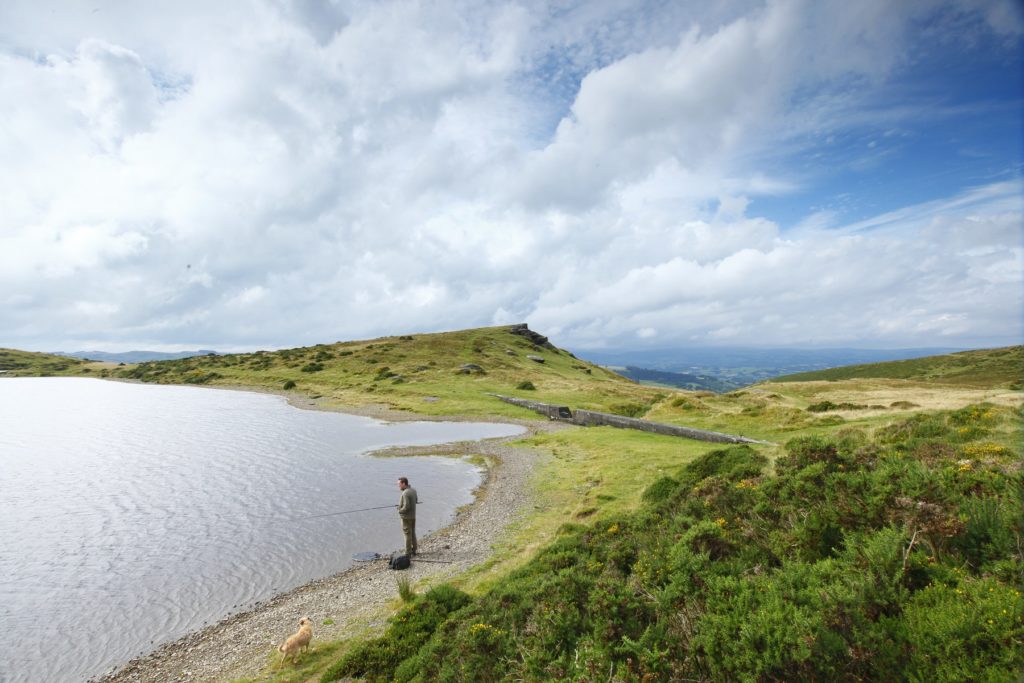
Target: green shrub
[
  {"x": 377, "y": 659},
  {"x": 872, "y": 560},
  {"x": 290, "y": 384},
  {"x": 384, "y": 373},
  {"x": 660, "y": 490},
  {"x": 971, "y": 631},
  {"x": 312, "y": 367},
  {"x": 732, "y": 463},
  {"x": 201, "y": 377},
  {"x": 629, "y": 409},
  {"x": 991, "y": 530},
  {"x": 526, "y": 386}
]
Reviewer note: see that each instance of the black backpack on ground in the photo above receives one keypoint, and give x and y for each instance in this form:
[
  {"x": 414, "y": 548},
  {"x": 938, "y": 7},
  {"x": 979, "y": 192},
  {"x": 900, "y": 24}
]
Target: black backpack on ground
[{"x": 399, "y": 562}]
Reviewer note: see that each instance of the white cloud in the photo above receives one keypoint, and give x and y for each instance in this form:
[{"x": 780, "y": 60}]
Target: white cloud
[{"x": 281, "y": 173}]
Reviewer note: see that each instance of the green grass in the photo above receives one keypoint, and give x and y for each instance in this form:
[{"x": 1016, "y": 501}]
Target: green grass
[
  {"x": 307, "y": 667},
  {"x": 590, "y": 473},
  {"x": 16, "y": 363},
  {"x": 986, "y": 368}
]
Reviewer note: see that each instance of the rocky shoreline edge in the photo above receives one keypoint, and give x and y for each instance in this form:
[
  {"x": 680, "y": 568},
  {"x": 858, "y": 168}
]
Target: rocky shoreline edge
[{"x": 359, "y": 599}]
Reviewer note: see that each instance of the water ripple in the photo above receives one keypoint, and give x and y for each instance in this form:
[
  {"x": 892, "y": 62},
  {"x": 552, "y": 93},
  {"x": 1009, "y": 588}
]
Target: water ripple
[{"x": 153, "y": 510}]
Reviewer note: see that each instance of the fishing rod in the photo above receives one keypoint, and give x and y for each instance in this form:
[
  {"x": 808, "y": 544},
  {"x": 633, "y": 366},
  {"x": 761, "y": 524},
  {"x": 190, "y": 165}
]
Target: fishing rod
[
  {"x": 417, "y": 558},
  {"x": 371, "y": 556},
  {"x": 345, "y": 512}
]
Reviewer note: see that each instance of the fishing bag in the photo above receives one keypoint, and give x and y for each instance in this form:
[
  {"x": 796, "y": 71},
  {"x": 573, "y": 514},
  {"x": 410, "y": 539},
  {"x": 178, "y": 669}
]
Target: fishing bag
[{"x": 399, "y": 562}]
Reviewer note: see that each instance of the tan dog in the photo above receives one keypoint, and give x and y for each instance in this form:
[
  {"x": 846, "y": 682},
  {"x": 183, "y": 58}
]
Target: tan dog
[{"x": 297, "y": 641}]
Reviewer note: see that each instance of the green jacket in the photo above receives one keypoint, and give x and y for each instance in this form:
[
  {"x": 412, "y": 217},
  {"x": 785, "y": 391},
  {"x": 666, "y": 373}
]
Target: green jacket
[{"x": 407, "y": 503}]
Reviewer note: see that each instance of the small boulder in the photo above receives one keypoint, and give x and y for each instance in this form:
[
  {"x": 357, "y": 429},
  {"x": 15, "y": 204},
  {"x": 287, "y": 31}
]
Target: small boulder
[{"x": 535, "y": 359}]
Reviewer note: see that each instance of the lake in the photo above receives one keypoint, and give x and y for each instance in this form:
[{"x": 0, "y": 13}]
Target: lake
[{"x": 133, "y": 514}]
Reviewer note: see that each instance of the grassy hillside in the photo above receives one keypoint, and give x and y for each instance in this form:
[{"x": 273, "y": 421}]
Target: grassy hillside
[
  {"x": 455, "y": 373},
  {"x": 986, "y": 368},
  {"x": 14, "y": 363},
  {"x": 443, "y": 374}
]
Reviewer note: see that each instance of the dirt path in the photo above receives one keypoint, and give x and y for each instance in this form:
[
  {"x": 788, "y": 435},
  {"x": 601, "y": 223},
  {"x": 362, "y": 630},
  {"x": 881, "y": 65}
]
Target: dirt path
[{"x": 360, "y": 597}]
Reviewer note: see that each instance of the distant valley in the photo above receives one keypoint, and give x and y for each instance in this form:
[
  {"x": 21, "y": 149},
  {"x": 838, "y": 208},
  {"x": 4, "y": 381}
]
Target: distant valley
[
  {"x": 677, "y": 380},
  {"x": 728, "y": 368}
]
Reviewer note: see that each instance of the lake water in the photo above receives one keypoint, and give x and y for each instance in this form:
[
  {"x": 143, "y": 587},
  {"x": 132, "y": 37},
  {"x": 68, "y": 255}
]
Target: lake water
[{"x": 132, "y": 514}]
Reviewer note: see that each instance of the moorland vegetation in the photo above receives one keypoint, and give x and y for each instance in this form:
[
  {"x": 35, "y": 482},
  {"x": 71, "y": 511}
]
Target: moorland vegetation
[
  {"x": 889, "y": 558},
  {"x": 877, "y": 537}
]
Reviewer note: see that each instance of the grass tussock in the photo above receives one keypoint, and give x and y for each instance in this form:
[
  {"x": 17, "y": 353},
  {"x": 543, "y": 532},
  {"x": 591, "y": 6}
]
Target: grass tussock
[{"x": 405, "y": 589}]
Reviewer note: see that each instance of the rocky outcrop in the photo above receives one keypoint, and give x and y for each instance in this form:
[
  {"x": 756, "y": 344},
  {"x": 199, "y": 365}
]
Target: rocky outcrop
[{"x": 537, "y": 339}]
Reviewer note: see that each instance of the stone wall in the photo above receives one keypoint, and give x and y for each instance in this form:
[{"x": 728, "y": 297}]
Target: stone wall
[
  {"x": 590, "y": 418},
  {"x": 552, "y": 411}
]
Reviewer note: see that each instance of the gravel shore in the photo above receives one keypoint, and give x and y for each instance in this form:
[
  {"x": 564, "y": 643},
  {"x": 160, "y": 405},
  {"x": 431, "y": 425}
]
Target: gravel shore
[{"x": 362, "y": 596}]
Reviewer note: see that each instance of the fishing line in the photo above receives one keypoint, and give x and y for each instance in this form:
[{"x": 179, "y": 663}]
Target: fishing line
[
  {"x": 342, "y": 512},
  {"x": 135, "y": 516}
]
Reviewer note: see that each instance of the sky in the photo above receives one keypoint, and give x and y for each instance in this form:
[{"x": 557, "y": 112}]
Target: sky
[{"x": 258, "y": 174}]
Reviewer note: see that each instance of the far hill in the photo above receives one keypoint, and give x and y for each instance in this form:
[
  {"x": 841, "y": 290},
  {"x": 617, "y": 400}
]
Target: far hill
[
  {"x": 135, "y": 356},
  {"x": 987, "y": 367}
]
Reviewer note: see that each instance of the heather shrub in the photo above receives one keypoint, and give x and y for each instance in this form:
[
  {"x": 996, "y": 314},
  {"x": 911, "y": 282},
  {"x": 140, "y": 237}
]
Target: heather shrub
[{"x": 860, "y": 560}]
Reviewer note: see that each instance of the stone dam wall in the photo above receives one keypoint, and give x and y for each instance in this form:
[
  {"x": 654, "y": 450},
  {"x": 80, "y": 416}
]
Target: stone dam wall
[{"x": 590, "y": 418}]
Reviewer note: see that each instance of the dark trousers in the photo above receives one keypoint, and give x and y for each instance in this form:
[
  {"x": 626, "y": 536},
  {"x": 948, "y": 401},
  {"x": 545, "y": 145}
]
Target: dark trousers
[{"x": 409, "y": 529}]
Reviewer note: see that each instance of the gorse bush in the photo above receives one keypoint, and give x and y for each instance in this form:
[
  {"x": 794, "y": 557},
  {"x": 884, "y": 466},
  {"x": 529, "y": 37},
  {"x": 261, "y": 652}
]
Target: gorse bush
[
  {"x": 893, "y": 558},
  {"x": 409, "y": 629}
]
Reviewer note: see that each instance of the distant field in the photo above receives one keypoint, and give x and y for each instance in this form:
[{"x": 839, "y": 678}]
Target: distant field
[{"x": 989, "y": 367}]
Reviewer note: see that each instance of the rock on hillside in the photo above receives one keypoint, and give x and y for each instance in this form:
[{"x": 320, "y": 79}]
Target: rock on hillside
[{"x": 539, "y": 339}]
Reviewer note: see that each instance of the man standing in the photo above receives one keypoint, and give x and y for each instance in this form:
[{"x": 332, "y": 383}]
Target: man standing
[{"x": 407, "y": 511}]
